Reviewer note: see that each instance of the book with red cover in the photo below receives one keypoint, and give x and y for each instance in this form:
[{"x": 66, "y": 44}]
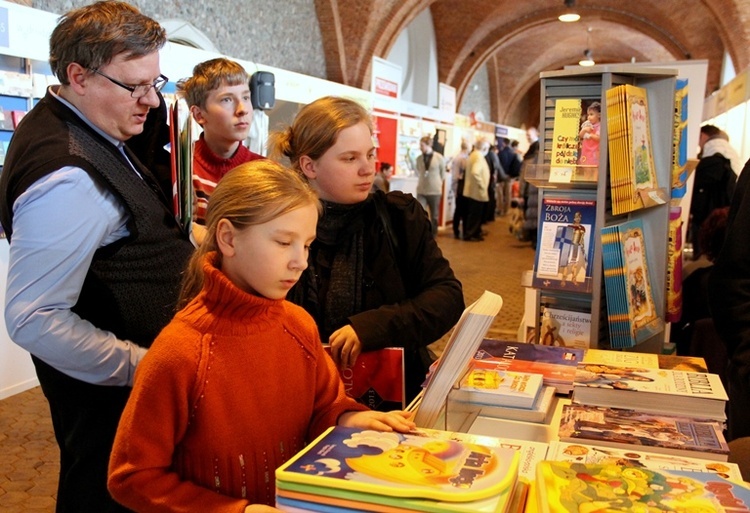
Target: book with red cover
[
  {"x": 557, "y": 365},
  {"x": 376, "y": 379}
]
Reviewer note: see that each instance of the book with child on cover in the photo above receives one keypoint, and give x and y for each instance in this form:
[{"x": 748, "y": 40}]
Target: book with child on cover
[
  {"x": 402, "y": 465},
  {"x": 575, "y": 140}
]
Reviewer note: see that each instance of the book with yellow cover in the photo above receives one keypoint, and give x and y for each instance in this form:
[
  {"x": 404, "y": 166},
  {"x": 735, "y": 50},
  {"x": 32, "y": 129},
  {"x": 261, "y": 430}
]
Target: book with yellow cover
[
  {"x": 633, "y": 180},
  {"x": 564, "y": 486},
  {"x": 402, "y": 465},
  {"x": 638, "y": 457}
]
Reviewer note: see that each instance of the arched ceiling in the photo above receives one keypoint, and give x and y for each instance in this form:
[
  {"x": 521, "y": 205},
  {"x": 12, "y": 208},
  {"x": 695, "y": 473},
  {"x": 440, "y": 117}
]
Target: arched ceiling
[{"x": 518, "y": 40}]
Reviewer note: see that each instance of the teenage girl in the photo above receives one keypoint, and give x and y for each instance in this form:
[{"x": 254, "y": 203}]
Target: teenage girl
[
  {"x": 377, "y": 277},
  {"x": 239, "y": 381}
]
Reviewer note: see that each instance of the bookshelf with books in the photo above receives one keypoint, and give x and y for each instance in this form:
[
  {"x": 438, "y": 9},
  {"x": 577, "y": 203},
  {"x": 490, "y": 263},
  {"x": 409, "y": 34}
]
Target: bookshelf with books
[{"x": 572, "y": 102}]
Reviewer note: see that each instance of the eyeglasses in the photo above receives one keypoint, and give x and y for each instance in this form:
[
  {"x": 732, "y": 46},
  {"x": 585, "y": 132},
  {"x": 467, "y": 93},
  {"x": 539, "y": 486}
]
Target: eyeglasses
[{"x": 140, "y": 90}]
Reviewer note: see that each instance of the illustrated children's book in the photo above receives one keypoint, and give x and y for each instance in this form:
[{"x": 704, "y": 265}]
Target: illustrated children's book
[
  {"x": 557, "y": 365},
  {"x": 565, "y": 256},
  {"x": 616, "y": 427},
  {"x": 632, "y": 172},
  {"x": 499, "y": 388},
  {"x": 376, "y": 379},
  {"x": 680, "y": 145},
  {"x": 300, "y": 498},
  {"x": 402, "y": 465},
  {"x": 564, "y": 486},
  {"x": 531, "y": 452},
  {"x": 671, "y": 392},
  {"x": 638, "y": 457},
  {"x": 631, "y": 310}
]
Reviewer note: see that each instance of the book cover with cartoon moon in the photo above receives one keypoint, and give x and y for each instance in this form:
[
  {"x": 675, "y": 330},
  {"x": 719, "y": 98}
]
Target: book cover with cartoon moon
[{"x": 403, "y": 465}]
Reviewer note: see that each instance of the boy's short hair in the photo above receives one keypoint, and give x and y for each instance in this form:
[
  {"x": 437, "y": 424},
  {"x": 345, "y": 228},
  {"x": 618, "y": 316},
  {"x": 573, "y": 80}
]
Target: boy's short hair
[{"x": 208, "y": 76}]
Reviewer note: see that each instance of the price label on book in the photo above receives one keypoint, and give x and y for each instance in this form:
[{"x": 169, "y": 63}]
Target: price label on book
[{"x": 560, "y": 174}]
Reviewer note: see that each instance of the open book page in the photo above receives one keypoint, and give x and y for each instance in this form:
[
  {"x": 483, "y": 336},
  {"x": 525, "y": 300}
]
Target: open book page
[{"x": 463, "y": 343}]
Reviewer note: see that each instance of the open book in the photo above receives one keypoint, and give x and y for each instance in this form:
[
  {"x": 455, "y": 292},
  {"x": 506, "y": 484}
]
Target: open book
[
  {"x": 181, "y": 150},
  {"x": 452, "y": 365}
]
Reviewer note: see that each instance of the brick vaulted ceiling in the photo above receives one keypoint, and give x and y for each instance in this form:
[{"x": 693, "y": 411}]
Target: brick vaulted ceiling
[{"x": 517, "y": 39}]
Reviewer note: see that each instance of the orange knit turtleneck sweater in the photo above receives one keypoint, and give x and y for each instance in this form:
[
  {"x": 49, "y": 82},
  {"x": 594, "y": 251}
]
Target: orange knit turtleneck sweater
[{"x": 232, "y": 388}]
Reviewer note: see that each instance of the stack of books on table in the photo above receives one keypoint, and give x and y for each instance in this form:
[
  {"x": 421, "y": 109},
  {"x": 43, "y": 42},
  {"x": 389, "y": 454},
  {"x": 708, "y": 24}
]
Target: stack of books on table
[
  {"x": 643, "y": 386},
  {"x": 347, "y": 469},
  {"x": 557, "y": 365},
  {"x": 631, "y": 429},
  {"x": 504, "y": 394}
]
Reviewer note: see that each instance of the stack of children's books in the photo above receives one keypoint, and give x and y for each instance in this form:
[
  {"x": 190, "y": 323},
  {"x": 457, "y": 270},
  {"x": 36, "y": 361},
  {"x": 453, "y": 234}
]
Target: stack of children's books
[{"x": 348, "y": 469}]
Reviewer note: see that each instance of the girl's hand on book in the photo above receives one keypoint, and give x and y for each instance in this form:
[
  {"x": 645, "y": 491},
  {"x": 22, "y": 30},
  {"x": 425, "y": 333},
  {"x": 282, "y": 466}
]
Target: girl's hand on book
[
  {"x": 396, "y": 420},
  {"x": 345, "y": 346}
]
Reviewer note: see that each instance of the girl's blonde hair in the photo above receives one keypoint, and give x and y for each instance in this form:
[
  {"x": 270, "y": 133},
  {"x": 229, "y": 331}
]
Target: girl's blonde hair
[
  {"x": 250, "y": 194},
  {"x": 316, "y": 128}
]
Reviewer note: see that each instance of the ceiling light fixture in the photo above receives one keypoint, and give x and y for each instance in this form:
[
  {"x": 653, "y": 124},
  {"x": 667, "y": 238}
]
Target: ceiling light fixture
[
  {"x": 588, "y": 59},
  {"x": 569, "y": 15}
]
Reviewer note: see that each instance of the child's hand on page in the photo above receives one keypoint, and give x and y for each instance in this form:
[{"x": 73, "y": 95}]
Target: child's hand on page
[{"x": 396, "y": 420}]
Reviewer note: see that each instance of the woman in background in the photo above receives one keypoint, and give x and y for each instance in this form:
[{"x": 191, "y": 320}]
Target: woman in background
[{"x": 377, "y": 277}]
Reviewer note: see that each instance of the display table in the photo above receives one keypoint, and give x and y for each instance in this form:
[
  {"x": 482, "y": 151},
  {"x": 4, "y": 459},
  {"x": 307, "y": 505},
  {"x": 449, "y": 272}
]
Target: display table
[{"x": 519, "y": 430}]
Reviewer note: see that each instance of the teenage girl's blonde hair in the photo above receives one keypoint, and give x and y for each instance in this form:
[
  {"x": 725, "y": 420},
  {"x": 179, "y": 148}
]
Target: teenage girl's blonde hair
[
  {"x": 250, "y": 194},
  {"x": 316, "y": 128}
]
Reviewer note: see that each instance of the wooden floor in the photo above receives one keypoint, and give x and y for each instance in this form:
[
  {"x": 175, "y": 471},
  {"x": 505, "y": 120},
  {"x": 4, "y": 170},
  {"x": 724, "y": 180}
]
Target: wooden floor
[{"x": 28, "y": 452}]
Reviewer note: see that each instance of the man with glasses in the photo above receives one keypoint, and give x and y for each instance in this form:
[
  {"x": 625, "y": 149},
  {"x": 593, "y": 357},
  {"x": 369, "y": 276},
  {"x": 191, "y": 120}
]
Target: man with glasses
[{"x": 95, "y": 252}]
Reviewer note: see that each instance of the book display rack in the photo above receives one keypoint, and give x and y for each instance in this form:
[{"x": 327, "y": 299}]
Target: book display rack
[{"x": 571, "y": 170}]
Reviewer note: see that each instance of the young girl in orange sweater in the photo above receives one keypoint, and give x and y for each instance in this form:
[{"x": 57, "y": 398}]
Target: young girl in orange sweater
[{"x": 238, "y": 382}]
